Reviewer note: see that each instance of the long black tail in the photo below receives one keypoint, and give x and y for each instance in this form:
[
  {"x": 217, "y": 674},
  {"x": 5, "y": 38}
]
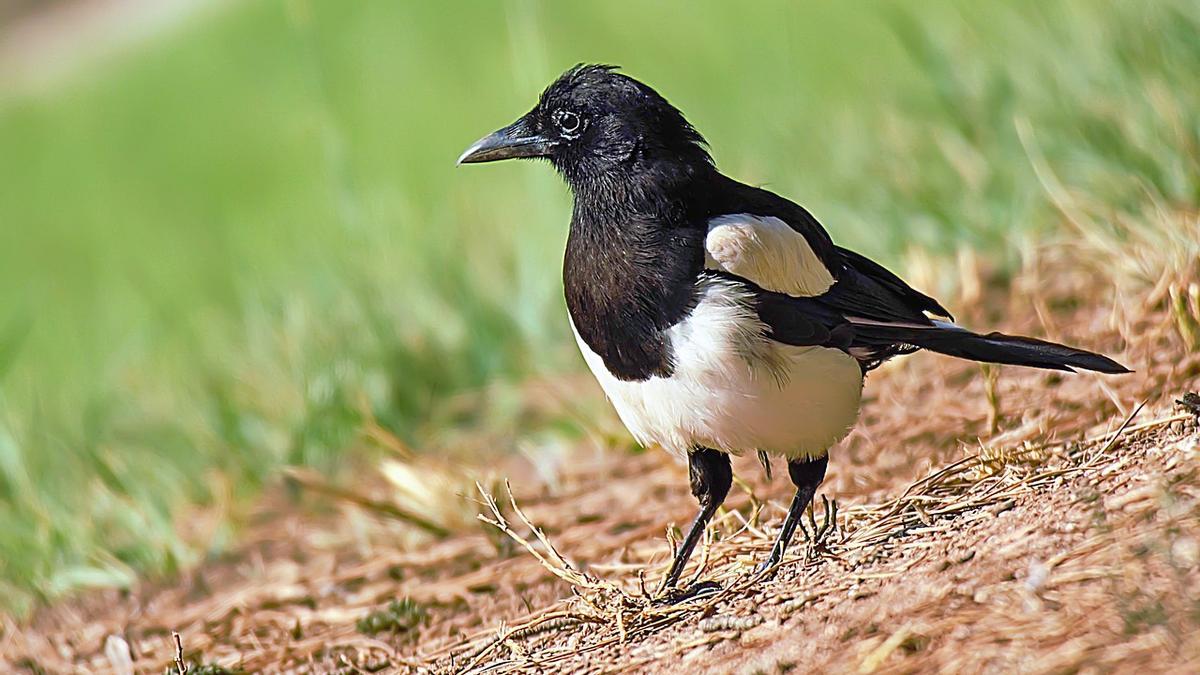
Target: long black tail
[{"x": 952, "y": 340}]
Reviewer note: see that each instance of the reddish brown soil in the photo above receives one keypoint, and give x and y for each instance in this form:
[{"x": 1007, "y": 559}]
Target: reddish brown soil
[{"x": 1056, "y": 529}]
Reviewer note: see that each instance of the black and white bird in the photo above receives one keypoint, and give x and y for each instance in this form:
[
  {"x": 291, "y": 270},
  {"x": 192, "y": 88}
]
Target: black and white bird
[{"x": 720, "y": 318}]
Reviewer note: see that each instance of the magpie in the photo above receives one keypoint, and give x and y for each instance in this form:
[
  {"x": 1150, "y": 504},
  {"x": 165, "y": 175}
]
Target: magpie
[{"x": 718, "y": 317}]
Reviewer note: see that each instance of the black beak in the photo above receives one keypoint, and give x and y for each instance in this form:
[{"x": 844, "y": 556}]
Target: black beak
[{"x": 513, "y": 141}]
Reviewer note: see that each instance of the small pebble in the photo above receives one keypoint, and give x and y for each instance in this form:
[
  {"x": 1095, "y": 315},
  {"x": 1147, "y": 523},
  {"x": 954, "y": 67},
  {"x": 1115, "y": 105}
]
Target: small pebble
[
  {"x": 1036, "y": 575},
  {"x": 714, "y": 624},
  {"x": 1186, "y": 551},
  {"x": 792, "y": 604}
]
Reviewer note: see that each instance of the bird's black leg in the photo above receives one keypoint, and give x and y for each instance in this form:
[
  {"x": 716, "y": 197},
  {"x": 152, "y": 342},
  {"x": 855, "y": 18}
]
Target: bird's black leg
[
  {"x": 806, "y": 475},
  {"x": 711, "y": 476}
]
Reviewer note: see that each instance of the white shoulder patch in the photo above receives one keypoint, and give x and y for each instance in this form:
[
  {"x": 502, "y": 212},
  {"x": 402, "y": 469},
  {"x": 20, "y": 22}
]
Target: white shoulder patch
[{"x": 765, "y": 250}]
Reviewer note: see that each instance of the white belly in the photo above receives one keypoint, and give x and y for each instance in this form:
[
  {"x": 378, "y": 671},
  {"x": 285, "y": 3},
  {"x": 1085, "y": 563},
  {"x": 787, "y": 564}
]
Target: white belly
[{"x": 734, "y": 390}]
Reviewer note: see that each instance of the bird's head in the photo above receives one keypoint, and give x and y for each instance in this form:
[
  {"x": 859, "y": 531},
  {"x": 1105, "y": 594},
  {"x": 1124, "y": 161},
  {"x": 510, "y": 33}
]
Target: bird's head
[{"x": 595, "y": 123}]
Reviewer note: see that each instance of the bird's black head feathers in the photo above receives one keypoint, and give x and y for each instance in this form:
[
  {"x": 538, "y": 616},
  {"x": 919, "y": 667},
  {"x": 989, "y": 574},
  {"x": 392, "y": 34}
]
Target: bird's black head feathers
[
  {"x": 625, "y": 125},
  {"x": 596, "y": 124}
]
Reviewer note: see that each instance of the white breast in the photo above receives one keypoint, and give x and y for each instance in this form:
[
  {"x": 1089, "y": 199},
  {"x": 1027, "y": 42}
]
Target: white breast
[{"x": 733, "y": 389}]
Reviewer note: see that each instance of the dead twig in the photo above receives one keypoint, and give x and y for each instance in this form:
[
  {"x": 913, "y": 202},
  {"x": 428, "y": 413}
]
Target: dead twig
[
  {"x": 1121, "y": 429},
  {"x": 553, "y": 561},
  {"x": 180, "y": 665}
]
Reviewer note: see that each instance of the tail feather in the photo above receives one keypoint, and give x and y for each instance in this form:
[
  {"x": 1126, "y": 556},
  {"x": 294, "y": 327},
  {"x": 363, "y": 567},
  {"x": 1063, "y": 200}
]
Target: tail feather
[
  {"x": 1020, "y": 351},
  {"x": 952, "y": 340}
]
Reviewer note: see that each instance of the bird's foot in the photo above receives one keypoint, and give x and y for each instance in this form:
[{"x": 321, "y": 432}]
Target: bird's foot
[
  {"x": 815, "y": 534},
  {"x": 828, "y": 527},
  {"x": 766, "y": 569},
  {"x": 697, "y": 591}
]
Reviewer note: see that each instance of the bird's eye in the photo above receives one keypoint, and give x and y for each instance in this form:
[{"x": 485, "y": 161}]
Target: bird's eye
[{"x": 568, "y": 122}]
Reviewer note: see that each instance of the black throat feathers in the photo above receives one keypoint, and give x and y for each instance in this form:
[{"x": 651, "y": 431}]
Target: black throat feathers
[{"x": 632, "y": 259}]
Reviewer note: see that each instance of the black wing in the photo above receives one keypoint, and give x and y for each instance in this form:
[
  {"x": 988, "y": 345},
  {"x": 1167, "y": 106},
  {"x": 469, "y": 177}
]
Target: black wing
[
  {"x": 894, "y": 285},
  {"x": 870, "y": 312},
  {"x": 863, "y": 287}
]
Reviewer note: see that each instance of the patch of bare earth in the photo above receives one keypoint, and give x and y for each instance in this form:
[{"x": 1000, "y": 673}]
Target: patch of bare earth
[{"x": 1003, "y": 520}]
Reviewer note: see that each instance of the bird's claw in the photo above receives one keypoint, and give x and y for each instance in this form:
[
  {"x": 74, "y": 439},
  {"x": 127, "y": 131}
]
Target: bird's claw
[
  {"x": 814, "y": 533},
  {"x": 765, "y": 569},
  {"x": 828, "y": 525},
  {"x": 676, "y": 596}
]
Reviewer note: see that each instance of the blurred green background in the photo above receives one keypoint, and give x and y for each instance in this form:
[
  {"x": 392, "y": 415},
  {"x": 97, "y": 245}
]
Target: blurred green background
[{"x": 226, "y": 245}]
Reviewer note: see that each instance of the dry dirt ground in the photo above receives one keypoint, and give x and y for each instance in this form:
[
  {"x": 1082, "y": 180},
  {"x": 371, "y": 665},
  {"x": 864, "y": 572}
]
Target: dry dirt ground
[{"x": 983, "y": 520}]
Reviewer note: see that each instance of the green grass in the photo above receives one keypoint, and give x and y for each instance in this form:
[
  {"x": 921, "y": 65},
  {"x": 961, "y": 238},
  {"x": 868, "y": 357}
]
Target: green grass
[{"x": 219, "y": 250}]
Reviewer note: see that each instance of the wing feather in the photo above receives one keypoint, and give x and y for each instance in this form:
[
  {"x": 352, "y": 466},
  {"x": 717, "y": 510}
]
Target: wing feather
[{"x": 766, "y": 251}]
